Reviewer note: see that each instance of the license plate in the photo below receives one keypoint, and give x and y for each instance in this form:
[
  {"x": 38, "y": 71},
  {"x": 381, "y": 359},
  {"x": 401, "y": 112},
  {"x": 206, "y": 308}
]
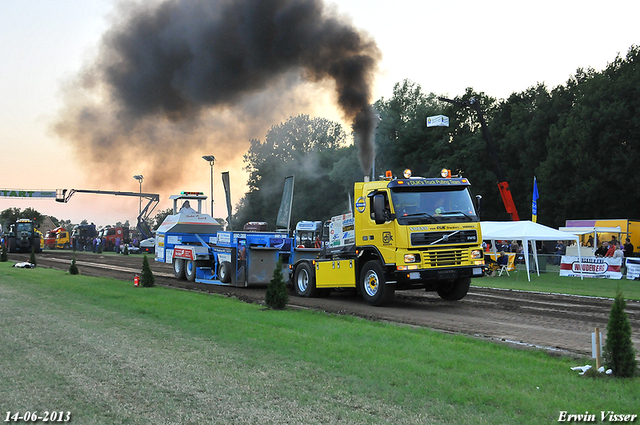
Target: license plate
[{"x": 447, "y": 274}]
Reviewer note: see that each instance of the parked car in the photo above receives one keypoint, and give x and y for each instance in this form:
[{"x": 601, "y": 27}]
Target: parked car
[{"x": 148, "y": 245}]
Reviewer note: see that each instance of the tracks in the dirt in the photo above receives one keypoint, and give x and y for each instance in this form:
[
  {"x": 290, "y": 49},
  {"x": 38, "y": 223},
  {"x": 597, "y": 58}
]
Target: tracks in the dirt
[{"x": 561, "y": 322}]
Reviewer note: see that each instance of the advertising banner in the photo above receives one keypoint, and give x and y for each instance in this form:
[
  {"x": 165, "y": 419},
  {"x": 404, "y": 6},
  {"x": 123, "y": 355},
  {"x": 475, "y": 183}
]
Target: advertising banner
[
  {"x": 603, "y": 268},
  {"x": 633, "y": 268}
]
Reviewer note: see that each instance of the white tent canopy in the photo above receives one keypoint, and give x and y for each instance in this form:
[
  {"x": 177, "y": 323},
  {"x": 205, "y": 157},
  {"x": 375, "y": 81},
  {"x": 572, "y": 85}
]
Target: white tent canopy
[{"x": 526, "y": 231}]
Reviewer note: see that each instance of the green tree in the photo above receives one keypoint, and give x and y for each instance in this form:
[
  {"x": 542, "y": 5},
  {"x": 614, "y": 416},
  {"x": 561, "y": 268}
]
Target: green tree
[
  {"x": 619, "y": 354},
  {"x": 277, "y": 297},
  {"x": 404, "y": 141},
  {"x": 32, "y": 214},
  {"x": 306, "y": 148},
  {"x": 160, "y": 217},
  {"x": 10, "y": 215}
]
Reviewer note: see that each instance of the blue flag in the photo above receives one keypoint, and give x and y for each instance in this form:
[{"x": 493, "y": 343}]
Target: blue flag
[{"x": 534, "y": 204}]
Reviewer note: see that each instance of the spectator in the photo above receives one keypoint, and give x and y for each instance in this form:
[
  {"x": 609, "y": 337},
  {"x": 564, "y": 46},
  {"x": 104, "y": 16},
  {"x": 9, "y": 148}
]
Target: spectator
[
  {"x": 561, "y": 249},
  {"x": 503, "y": 259},
  {"x": 628, "y": 248},
  {"x": 590, "y": 241},
  {"x": 618, "y": 252},
  {"x": 602, "y": 250},
  {"x": 611, "y": 250}
]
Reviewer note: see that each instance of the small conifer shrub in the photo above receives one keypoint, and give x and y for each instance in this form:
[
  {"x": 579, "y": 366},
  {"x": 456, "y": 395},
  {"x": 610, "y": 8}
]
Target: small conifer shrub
[
  {"x": 619, "y": 354},
  {"x": 147, "y": 279},
  {"x": 277, "y": 296},
  {"x": 74, "y": 268}
]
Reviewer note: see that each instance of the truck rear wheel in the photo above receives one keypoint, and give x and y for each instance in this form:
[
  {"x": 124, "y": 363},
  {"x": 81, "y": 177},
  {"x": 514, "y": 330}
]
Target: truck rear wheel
[
  {"x": 190, "y": 270},
  {"x": 304, "y": 281},
  {"x": 373, "y": 285},
  {"x": 456, "y": 291},
  {"x": 178, "y": 268}
]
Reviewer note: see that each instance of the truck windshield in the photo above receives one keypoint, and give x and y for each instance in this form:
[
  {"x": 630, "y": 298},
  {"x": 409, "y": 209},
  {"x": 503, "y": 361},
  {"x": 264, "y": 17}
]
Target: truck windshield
[
  {"x": 414, "y": 205},
  {"x": 24, "y": 227}
]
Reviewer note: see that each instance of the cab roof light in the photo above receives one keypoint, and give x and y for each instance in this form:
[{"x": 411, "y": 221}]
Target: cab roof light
[
  {"x": 407, "y": 173},
  {"x": 445, "y": 173},
  {"x": 191, "y": 193}
]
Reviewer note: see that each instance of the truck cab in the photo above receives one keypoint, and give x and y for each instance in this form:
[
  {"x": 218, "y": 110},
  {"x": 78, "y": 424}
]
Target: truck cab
[
  {"x": 23, "y": 236},
  {"x": 404, "y": 233},
  {"x": 425, "y": 231},
  {"x": 113, "y": 237},
  {"x": 82, "y": 237}
]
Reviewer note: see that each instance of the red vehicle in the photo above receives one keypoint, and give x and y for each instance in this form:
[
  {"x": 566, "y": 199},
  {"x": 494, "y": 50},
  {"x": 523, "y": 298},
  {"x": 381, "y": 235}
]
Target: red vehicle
[
  {"x": 50, "y": 237},
  {"x": 111, "y": 236}
]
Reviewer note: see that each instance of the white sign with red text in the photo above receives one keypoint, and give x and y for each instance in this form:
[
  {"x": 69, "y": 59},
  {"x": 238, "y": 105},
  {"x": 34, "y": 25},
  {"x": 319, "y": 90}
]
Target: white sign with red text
[{"x": 596, "y": 267}]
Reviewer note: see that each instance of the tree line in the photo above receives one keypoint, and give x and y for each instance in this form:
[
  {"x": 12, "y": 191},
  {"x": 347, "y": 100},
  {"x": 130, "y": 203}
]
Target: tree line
[{"x": 579, "y": 139}]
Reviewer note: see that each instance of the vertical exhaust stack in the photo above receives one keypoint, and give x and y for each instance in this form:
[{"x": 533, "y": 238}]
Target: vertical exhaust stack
[{"x": 169, "y": 74}]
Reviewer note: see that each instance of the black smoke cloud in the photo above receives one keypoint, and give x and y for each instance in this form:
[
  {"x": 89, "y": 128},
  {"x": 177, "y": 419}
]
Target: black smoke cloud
[{"x": 185, "y": 76}]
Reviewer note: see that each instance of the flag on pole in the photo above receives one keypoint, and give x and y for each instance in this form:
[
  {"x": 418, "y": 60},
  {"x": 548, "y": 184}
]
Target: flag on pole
[{"x": 534, "y": 204}]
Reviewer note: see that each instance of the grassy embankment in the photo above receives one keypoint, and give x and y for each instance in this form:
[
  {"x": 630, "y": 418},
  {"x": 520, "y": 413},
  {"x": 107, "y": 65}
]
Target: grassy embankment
[{"x": 112, "y": 353}]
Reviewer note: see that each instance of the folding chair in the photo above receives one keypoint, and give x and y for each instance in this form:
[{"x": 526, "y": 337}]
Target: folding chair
[{"x": 503, "y": 265}]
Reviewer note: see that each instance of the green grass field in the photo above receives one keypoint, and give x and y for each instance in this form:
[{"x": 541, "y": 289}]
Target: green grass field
[{"x": 109, "y": 352}]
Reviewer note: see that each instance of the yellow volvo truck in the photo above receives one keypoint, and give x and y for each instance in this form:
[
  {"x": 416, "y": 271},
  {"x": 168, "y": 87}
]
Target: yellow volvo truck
[{"x": 403, "y": 234}]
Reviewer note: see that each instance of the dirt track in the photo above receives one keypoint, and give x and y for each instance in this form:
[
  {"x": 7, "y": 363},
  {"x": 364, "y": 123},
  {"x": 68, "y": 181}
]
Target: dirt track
[{"x": 557, "y": 322}]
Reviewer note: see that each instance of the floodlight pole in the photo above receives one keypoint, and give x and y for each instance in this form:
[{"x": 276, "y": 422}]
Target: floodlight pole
[
  {"x": 211, "y": 160},
  {"x": 140, "y": 179}
]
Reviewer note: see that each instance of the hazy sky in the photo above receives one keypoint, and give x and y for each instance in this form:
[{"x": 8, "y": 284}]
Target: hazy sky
[{"x": 497, "y": 47}]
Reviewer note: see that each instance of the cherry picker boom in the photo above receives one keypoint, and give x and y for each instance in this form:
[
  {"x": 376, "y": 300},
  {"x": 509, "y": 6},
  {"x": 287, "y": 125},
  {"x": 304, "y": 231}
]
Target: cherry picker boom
[
  {"x": 63, "y": 195},
  {"x": 153, "y": 198}
]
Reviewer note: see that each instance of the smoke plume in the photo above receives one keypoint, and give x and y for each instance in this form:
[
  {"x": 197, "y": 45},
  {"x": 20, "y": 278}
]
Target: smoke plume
[{"x": 194, "y": 76}]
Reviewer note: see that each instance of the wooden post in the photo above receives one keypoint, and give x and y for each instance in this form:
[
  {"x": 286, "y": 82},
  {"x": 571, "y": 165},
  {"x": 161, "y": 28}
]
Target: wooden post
[{"x": 598, "y": 353}]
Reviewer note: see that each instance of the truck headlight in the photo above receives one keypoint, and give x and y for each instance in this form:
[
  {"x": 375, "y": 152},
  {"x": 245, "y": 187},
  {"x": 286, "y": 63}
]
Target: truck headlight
[
  {"x": 476, "y": 253},
  {"x": 411, "y": 258}
]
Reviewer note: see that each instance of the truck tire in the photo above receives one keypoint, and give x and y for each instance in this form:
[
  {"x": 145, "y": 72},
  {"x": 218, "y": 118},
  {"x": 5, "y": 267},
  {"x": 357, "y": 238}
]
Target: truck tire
[
  {"x": 304, "y": 281},
  {"x": 178, "y": 268},
  {"x": 456, "y": 291},
  {"x": 373, "y": 286},
  {"x": 224, "y": 272},
  {"x": 12, "y": 244},
  {"x": 190, "y": 270}
]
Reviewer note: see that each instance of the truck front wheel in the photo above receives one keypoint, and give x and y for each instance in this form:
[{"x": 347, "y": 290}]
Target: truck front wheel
[
  {"x": 373, "y": 285},
  {"x": 178, "y": 268},
  {"x": 304, "y": 281},
  {"x": 456, "y": 291}
]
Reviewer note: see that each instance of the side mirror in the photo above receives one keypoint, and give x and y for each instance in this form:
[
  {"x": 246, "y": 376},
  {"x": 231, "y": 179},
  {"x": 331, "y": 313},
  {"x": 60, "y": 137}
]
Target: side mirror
[
  {"x": 378, "y": 209},
  {"x": 479, "y": 205}
]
